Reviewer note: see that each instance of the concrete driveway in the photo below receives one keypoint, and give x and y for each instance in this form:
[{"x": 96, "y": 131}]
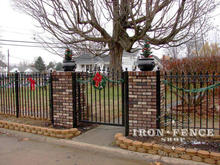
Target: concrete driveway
[{"x": 22, "y": 151}]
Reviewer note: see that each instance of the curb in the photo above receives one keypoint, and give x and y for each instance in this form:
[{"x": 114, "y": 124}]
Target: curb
[
  {"x": 110, "y": 151},
  {"x": 163, "y": 150}
]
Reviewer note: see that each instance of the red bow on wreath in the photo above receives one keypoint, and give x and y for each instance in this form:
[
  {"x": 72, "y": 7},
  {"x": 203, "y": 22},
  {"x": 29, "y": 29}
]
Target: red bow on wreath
[
  {"x": 32, "y": 83},
  {"x": 97, "y": 78}
]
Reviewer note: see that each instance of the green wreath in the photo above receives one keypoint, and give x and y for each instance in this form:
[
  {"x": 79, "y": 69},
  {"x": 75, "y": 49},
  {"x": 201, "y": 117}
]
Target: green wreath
[{"x": 101, "y": 84}]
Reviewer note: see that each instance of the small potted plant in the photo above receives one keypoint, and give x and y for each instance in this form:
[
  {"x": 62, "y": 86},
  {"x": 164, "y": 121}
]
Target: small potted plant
[
  {"x": 68, "y": 62},
  {"x": 146, "y": 60}
]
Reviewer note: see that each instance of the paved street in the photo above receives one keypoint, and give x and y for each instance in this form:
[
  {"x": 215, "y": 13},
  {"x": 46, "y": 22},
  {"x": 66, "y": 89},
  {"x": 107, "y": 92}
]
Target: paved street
[{"x": 22, "y": 151}]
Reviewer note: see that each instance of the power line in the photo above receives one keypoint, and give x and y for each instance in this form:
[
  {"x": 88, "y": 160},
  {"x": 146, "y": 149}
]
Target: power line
[
  {"x": 29, "y": 42},
  {"x": 18, "y": 33},
  {"x": 29, "y": 45},
  {"x": 216, "y": 15},
  {"x": 18, "y": 58},
  {"x": 14, "y": 28}
]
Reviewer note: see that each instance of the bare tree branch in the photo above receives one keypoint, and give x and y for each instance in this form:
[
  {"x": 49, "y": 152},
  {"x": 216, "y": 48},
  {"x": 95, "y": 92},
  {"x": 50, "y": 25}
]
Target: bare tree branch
[{"x": 117, "y": 25}]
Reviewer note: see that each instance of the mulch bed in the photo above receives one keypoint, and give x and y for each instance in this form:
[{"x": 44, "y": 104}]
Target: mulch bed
[
  {"x": 28, "y": 121},
  {"x": 193, "y": 143},
  {"x": 83, "y": 127}
]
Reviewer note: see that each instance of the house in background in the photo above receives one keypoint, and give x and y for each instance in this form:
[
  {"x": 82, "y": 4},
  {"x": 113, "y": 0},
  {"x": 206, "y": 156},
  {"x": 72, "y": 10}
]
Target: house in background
[
  {"x": 24, "y": 69},
  {"x": 129, "y": 60},
  {"x": 3, "y": 66},
  {"x": 87, "y": 61}
]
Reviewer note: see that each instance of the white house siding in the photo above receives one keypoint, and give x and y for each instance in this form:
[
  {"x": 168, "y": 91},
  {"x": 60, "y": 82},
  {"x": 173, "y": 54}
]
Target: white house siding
[{"x": 129, "y": 61}]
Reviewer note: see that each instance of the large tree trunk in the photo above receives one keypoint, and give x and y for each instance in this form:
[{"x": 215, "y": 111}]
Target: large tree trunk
[{"x": 116, "y": 52}]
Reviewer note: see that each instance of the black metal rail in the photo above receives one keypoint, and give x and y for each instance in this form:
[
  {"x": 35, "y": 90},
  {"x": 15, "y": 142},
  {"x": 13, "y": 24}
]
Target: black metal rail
[
  {"x": 191, "y": 101},
  {"x": 26, "y": 95},
  {"x": 106, "y": 104}
]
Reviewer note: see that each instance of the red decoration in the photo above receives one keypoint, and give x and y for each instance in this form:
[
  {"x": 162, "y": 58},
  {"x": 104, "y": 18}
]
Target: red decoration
[
  {"x": 144, "y": 49},
  {"x": 97, "y": 78},
  {"x": 32, "y": 83}
]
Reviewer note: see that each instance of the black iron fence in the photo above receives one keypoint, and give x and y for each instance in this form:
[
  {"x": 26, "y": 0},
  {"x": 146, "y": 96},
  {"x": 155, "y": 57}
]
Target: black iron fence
[
  {"x": 191, "y": 101},
  {"x": 25, "y": 94},
  {"x": 101, "y": 96}
]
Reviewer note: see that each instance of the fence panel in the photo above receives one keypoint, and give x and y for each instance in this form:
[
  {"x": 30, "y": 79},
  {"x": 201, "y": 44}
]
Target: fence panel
[
  {"x": 104, "y": 102},
  {"x": 192, "y": 101},
  {"x": 25, "y": 94}
]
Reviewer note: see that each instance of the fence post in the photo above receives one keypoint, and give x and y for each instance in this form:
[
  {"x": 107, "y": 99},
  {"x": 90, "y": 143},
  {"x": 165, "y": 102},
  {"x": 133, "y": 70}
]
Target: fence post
[
  {"x": 51, "y": 98},
  {"x": 158, "y": 97},
  {"x": 126, "y": 104},
  {"x": 123, "y": 97},
  {"x": 74, "y": 85},
  {"x": 17, "y": 94}
]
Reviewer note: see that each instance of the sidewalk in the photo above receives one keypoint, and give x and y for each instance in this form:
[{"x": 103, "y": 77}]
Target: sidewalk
[{"x": 102, "y": 135}]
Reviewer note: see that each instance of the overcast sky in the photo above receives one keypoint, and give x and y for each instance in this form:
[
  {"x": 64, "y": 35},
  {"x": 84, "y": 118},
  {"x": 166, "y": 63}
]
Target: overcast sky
[{"x": 18, "y": 26}]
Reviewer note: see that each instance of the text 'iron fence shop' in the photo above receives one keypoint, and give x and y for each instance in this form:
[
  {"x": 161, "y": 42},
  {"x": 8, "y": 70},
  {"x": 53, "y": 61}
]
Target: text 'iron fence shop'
[
  {"x": 25, "y": 94},
  {"x": 191, "y": 101},
  {"x": 101, "y": 96}
]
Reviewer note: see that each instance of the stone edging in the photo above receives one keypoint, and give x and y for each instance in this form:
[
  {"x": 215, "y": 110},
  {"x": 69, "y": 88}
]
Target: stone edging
[
  {"x": 58, "y": 133},
  {"x": 156, "y": 149}
]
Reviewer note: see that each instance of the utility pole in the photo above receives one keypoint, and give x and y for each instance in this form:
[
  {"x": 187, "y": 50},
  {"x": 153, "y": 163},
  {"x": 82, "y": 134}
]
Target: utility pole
[{"x": 8, "y": 61}]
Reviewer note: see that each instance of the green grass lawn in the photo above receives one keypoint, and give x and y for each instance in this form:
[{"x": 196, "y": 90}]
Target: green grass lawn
[
  {"x": 33, "y": 103},
  {"x": 105, "y": 104}
]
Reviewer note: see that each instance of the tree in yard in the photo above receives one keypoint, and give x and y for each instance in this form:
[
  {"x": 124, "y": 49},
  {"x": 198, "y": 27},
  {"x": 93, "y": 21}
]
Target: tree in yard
[
  {"x": 51, "y": 65},
  {"x": 209, "y": 50},
  {"x": 59, "y": 66},
  {"x": 117, "y": 25},
  {"x": 39, "y": 64},
  {"x": 2, "y": 57}
]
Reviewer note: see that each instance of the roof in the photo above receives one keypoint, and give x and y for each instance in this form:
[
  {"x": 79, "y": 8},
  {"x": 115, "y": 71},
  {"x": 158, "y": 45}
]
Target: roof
[
  {"x": 105, "y": 58},
  {"x": 2, "y": 64},
  {"x": 91, "y": 59},
  {"x": 130, "y": 54},
  {"x": 87, "y": 59},
  {"x": 24, "y": 69}
]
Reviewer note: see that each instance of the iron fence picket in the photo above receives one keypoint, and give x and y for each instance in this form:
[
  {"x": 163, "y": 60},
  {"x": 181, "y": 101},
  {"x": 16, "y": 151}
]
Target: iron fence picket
[
  {"x": 197, "y": 94},
  {"x": 18, "y": 98},
  {"x": 102, "y": 105}
]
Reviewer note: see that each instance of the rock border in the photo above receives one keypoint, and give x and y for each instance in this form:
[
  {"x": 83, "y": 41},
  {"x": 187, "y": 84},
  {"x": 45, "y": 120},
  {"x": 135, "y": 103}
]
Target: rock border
[
  {"x": 57, "y": 133},
  {"x": 157, "y": 149}
]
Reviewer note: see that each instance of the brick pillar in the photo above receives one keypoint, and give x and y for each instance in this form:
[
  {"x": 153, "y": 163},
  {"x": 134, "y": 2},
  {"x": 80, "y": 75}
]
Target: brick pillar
[
  {"x": 142, "y": 100},
  {"x": 62, "y": 99}
]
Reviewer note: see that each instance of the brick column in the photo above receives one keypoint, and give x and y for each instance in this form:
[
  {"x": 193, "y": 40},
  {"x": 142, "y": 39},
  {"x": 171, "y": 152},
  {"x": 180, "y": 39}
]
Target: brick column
[
  {"x": 62, "y": 99},
  {"x": 142, "y": 100}
]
